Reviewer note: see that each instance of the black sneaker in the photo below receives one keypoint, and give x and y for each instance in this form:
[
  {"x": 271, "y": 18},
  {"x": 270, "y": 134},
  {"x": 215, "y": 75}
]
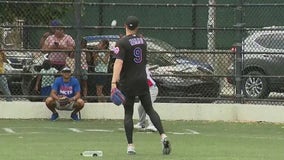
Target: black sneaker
[{"x": 166, "y": 146}]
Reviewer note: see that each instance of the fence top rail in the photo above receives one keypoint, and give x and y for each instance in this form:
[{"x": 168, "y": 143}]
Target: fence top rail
[
  {"x": 274, "y": 28},
  {"x": 121, "y": 27},
  {"x": 177, "y": 51},
  {"x": 145, "y": 4}
]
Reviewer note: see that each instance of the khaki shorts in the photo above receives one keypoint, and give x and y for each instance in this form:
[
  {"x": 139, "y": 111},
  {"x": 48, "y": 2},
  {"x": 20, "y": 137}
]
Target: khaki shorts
[{"x": 68, "y": 107}]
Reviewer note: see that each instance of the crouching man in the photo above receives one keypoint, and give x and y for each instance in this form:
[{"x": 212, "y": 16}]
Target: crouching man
[{"x": 65, "y": 95}]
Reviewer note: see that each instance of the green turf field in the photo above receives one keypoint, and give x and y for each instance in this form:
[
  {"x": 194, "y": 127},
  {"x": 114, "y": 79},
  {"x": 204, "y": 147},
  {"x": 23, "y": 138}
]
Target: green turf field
[{"x": 191, "y": 140}]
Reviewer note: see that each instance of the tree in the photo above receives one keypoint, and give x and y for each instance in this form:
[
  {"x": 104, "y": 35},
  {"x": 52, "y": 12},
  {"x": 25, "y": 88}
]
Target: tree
[{"x": 33, "y": 13}]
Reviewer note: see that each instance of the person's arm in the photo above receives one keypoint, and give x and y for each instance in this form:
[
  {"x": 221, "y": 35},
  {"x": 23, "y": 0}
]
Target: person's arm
[
  {"x": 76, "y": 97},
  {"x": 95, "y": 56},
  {"x": 62, "y": 47},
  {"x": 49, "y": 45},
  {"x": 43, "y": 38},
  {"x": 4, "y": 57},
  {"x": 116, "y": 72},
  {"x": 88, "y": 57},
  {"x": 106, "y": 58},
  {"x": 37, "y": 82},
  {"x": 53, "y": 94},
  {"x": 70, "y": 62}
]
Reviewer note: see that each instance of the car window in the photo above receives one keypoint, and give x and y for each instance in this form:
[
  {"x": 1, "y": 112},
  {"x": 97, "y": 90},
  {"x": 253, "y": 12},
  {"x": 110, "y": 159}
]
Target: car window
[{"x": 273, "y": 40}]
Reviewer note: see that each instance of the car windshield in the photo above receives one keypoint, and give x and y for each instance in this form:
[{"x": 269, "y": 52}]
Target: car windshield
[{"x": 159, "y": 52}]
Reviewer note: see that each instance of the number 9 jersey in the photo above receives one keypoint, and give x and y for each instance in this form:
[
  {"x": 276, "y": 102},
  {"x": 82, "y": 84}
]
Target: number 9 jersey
[{"x": 132, "y": 50}]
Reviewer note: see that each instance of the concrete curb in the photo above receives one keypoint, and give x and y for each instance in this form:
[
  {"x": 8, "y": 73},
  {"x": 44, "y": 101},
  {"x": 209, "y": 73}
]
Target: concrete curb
[{"x": 167, "y": 111}]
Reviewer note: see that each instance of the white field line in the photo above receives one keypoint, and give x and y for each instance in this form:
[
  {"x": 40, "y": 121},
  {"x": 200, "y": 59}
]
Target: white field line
[
  {"x": 188, "y": 132},
  {"x": 192, "y": 131},
  {"x": 9, "y": 130},
  {"x": 120, "y": 129},
  {"x": 179, "y": 133},
  {"x": 75, "y": 130},
  {"x": 98, "y": 130},
  {"x": 22, "y": 133}
]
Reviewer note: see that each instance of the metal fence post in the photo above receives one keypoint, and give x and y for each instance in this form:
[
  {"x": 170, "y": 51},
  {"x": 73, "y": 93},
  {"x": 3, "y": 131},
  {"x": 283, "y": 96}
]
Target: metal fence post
[
  {"x": 78, "y": 38},
  {"x": 238, "y": 51},
  {"x": 238, "y": 72}
]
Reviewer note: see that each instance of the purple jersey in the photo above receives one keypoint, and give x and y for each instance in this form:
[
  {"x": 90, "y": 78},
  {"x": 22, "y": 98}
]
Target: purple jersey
[{"x": 68, "y": 89}]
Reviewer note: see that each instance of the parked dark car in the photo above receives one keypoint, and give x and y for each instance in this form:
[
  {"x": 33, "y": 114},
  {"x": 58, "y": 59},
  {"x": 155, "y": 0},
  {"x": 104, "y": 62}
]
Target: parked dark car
[
  {"x": 262, "y": 56},
  {"x": 176, "y": 75}
]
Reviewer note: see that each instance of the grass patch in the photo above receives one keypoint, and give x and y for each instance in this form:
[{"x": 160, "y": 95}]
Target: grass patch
[{"x": 197, "y": 140}]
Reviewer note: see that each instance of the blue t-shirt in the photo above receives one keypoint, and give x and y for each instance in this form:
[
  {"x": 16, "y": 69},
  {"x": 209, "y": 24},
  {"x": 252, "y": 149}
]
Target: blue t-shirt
[{"x": 68, "y": 89}]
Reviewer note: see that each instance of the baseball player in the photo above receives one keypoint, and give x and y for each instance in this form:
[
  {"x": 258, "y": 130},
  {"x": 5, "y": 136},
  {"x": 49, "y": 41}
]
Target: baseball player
[
  {"x": 143, "y": 117},
  {"x": 129, "y": 73}
]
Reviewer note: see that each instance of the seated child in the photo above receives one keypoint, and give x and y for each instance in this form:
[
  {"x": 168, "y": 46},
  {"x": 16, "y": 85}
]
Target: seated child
[{"x": 46, "y": 77}]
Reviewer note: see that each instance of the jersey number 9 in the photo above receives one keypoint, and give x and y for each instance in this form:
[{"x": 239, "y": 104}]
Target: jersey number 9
[{"x": 137, "y": 52}]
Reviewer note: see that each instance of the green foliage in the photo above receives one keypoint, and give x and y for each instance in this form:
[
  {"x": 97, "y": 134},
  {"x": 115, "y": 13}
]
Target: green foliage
[{"x": 34, "y": 13}]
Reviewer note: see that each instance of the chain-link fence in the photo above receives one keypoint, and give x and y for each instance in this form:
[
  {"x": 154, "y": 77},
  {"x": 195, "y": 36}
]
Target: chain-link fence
[{"x": 199, "y": 50}]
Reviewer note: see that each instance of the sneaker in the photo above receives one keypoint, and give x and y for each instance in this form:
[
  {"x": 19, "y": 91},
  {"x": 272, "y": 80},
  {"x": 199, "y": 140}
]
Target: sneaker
[
  {"x": 151, "y": 128},
  {"x": 139, "y": 126},
  {"x": 131, "y": 150},
  {"x": 166, "y": 146},
  {"x": 54, "y": 116},
  {"x": 75, "y": 117}
]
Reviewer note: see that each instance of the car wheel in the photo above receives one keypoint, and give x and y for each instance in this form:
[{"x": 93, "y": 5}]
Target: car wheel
[{"x": 255, "y": 87}]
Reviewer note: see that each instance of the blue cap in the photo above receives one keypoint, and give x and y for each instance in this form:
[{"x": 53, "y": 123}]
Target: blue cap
[{"x": 56, "y": 22}]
